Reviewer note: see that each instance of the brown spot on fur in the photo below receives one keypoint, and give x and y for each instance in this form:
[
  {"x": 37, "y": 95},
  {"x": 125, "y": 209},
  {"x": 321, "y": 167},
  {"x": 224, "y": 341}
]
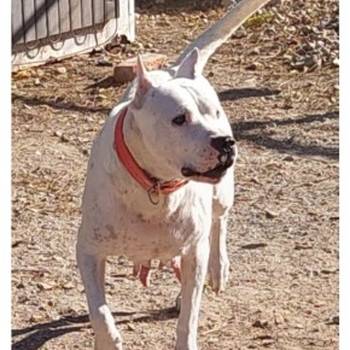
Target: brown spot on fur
[
  {"x": 110, "y": 229},
  {"x": 156, "y": 251},
  {"x": 97, "y": 235}
]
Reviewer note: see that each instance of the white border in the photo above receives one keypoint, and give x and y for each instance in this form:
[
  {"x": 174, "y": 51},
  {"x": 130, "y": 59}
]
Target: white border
[
  {"x": 344, "y": 242},
  {"x": 5, "y": 177}
]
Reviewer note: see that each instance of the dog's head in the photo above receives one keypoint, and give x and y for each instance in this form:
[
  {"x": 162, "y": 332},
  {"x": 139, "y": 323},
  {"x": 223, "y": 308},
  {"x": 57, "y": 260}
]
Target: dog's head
[{"x": 183, "y": 125}]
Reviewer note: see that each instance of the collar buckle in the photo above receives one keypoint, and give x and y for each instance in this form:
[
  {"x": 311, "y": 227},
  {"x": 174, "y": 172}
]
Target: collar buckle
[{"x": 154, "y": 193}]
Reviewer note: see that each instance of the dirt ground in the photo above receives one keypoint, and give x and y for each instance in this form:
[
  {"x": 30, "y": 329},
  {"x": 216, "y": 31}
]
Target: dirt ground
[{"x": 278, "y": 81}]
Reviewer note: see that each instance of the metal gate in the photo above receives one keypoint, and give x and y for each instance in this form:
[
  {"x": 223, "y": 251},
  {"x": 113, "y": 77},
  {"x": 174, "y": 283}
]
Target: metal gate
[{"x": 51, "y": 29}]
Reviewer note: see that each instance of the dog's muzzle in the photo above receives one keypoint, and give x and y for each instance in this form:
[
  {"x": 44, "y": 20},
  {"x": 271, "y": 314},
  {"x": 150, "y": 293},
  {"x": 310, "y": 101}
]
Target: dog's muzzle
[{"x": 225, "y": 145}]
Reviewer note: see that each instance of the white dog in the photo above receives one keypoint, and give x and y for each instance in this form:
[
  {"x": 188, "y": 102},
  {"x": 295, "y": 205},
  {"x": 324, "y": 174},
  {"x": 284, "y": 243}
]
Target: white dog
[{"x": 160, "y": 185}]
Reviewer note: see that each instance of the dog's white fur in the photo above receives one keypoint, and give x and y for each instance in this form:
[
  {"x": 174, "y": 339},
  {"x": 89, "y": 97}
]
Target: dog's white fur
[{"x": 118, "y": 217}]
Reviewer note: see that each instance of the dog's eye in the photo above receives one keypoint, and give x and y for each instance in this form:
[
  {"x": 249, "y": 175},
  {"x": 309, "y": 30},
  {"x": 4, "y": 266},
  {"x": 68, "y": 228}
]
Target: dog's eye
[
  {"x": 179, "y": 120},
  {"x": 218, "y": 114}
]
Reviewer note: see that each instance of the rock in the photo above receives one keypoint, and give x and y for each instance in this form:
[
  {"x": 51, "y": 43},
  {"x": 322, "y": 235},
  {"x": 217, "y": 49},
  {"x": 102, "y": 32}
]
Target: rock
[
  {"x": 23, "y": 74},
  {"x": 254, "y": 246},
  {"x": 35, "y": 318},
  {"x": 40, "y": 72},
  {"x": 20, "y": 285},
  {"x": 61, "y": 135},
  {"x": 302, "y": 246},
  {"x": 131, "y": 327},
  {"x": 267, "y": 342},
  {"x": 103, "y": 62},
  {"x": 23, "y": 299},
  {"x": 45, "y": 286},
  {"x": 61, "y": 70},
  {"x": 288, "y": 158},
  {"x": 254, "y": 66},
  {"x": 125, "y": 71},
  {"x": 333, "y": 320},
  {"x": 58, "y": 133},
  {"x": 260, "y": 324},
  {"x": 270, "y": 214},
  {"x": 68, "y": 285},
  {"x": 266, "y": 337},
  {"x": 278, "y": 319}
]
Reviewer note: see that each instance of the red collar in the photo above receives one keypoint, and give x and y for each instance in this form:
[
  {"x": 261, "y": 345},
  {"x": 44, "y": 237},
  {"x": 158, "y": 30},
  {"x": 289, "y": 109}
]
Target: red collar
[{"x": 152, "y": 185}]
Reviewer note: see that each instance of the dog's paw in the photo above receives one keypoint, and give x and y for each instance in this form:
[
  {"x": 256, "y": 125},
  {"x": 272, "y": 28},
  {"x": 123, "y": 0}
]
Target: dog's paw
[
  {"x": 219, "y": 274},
  {"x": 184, "y": 344},
  {"x": 107, "y": 343}
]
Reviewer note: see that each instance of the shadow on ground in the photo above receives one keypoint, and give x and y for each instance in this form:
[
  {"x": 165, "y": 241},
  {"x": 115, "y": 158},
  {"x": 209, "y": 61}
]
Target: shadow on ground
[
  {"x": 175, "y": 6},
  {"x": 237, "y": 94},
  {"x": 242, "y": 131},
  {"x": 37, "y": 335},
  {"x": 57, "y": 104}
]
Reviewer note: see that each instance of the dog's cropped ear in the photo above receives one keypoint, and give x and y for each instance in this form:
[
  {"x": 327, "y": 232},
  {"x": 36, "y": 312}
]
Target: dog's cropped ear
[
  {"x": 189, "y": 66},
  {"x": 143, "y": 84}
]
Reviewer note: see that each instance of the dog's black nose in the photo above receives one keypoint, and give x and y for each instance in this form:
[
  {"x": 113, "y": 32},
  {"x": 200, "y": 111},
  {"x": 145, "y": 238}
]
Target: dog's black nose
[{"x": 223, "y": 144}]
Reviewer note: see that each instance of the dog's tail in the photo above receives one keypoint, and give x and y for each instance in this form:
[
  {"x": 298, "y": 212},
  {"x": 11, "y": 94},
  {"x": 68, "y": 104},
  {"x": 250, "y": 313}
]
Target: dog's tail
[{"x": 209, "y": 41}]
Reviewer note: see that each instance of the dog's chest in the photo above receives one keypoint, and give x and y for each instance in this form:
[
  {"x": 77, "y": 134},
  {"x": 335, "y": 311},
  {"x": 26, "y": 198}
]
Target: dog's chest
[{"x": 159, "y": 235}]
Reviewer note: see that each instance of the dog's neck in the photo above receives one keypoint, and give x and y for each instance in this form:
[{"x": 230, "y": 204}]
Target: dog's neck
[{"x": 133, "y": 140}]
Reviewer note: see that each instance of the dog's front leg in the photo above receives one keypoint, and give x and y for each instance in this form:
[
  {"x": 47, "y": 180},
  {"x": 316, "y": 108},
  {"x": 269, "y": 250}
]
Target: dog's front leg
[
  {"x": 92, "y": 270},
  {"x": 193, "y": 272},
  {"x": 218, "y": 262}
]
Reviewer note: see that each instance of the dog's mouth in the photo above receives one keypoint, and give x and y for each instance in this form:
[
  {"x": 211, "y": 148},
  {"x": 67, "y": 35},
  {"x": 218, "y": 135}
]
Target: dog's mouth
[{"x": 212, "y": 176}]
